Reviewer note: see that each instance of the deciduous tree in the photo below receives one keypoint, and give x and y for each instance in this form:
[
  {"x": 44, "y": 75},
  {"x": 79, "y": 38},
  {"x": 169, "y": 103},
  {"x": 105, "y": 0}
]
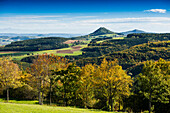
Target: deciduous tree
[
  {"x": 111, "y": 81},
  {"x": 154, "y": 81},
  {"x": 9, "y": 74}
]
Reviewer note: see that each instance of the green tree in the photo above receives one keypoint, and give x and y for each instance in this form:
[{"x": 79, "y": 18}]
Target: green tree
[
  {"x": 154, "y": 81},
  {"x": 68, "y": 79}
]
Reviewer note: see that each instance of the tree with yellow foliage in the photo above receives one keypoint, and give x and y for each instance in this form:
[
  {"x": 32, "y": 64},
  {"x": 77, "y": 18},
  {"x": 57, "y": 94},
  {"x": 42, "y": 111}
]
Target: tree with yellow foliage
[
  {"x": 111, "y": 81},
  {"x": 10, "y": 74},
  {"x": 86, "y": 84}
]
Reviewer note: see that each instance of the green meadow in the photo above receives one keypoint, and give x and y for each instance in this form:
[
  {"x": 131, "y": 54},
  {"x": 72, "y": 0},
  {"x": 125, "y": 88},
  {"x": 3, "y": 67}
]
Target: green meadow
[{"x": 30, "y": 108}]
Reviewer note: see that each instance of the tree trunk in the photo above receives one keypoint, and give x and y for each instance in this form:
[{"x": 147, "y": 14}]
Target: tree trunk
[
  {"x": 86, "y": 98},
  {"x": 119, "y": 103},
  {"x": 39, "y": 97},
  {"x": 7, "y": 91},
  {"x": 150, "y": 99},
  {"x": 111, "y": 103},
  {"x": 50, "y": 93},
  {"x": 110, "y": 97},
  {"x": 65, "y": 101},
  {"x": 42, "y": 98},
  {"x": 39, "y": 93}
]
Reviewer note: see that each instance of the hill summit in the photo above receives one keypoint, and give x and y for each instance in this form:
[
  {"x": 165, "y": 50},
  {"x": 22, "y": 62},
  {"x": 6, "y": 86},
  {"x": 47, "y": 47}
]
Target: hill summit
[
  {"x": 133, "y": 31},
  {"x": 101, "y": 31}
]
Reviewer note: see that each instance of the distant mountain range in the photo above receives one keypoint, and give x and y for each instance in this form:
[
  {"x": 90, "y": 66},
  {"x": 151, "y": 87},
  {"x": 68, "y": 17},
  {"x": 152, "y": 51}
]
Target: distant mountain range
[
  {"x": 133, "y": 31},
  {"x": 6, "y": 38},
  {"x": 100, "y": 31},
  {"x": 40, "y": 35}
]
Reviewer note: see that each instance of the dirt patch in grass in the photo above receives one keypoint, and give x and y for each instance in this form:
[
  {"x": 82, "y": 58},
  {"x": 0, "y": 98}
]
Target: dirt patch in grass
[
  {"x": 64, "y": 51},
  {"x": 74, "y": 48},
  {"x": 70, "y": 41}
]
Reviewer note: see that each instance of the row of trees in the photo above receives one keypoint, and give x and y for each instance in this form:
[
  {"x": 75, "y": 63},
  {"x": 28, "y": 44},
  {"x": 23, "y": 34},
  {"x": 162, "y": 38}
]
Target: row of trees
[{"x": 105, "y": 86}]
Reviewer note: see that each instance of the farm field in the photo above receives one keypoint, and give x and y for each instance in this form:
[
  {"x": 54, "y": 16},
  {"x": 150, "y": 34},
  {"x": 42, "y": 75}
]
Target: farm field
[
  {"x": 110, "y": 39},
  {"x": 28, "y": 108},
  {"x": 18, "y": 55}
]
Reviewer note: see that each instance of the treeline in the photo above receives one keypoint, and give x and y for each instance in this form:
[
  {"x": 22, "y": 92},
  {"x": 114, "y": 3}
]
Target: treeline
[
  {"x": 150, "y": 36},
  {"x": 36, "y": 44},
  {"x": 106, "y": 86}
]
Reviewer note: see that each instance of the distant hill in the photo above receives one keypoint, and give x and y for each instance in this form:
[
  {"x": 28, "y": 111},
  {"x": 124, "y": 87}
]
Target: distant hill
[
  {"x": 133, "y": 31},
  {"x": 36, "y": 44},
  {"x": 100, "y": 31},
  {"x": 39, "y": 35}
]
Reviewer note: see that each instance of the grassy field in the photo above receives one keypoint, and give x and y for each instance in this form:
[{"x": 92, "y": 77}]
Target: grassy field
[
  {"x": 20, "y": 55},
  {"x": 114, "y": 38},
  {"x": 21, "y": 101},
  {"x": 28, "y": 108}
]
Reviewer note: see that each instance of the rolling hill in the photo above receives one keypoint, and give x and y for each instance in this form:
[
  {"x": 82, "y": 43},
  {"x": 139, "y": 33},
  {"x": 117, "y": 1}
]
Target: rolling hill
[
  {"x": 36, "y": 44},
  {"x": 101, "y": 31},
  {"x": 133, "y": 31}
]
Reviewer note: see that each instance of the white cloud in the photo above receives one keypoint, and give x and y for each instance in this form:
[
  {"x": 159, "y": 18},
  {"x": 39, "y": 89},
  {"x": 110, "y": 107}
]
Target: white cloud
[
  {"x": 82, "y": 24},
  {"x": 156, "y": 10},
  {"x": 128, "y": 20}
]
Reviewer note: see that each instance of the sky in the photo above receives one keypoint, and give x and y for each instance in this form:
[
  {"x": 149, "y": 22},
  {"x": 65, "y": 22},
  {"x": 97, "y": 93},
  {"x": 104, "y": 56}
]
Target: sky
[{"x": 83, "y": 16}]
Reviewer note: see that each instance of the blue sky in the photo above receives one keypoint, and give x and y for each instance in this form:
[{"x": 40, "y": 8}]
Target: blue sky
[{"x": 83, "y": 16}]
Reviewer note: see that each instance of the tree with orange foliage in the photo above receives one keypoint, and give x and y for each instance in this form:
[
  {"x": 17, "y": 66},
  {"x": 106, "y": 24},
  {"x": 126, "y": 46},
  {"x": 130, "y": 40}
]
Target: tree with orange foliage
[{"x": 41, "y": 70}]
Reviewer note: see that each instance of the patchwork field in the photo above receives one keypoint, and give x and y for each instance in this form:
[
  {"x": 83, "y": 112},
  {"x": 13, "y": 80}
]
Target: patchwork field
[
  {"x": 70, "y": 41},
  {"x": 18, "y": 55}
]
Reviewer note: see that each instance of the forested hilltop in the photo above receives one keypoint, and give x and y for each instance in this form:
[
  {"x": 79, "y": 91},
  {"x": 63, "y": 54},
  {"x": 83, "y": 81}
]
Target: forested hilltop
[{"x": 36, "y": 44}]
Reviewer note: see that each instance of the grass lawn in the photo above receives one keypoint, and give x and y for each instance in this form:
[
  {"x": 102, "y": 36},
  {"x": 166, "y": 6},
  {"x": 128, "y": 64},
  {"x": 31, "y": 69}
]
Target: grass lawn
[
  {"x": 21, "y": 101},
  {"x": 28, "y": 108}
]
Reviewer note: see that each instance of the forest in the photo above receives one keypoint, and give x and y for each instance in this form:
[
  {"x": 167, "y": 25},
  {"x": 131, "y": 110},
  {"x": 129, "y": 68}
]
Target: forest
[{"x": 53, "y": 80}]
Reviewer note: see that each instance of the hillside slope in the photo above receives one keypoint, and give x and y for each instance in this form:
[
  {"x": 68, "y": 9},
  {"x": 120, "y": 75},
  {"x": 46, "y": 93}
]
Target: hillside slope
[
  {"x": 133, "y": 55},
  {"x": 36, "y": 44}
]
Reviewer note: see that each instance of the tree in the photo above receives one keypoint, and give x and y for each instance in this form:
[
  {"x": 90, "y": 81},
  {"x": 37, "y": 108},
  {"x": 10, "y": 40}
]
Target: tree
[
  {"x": 111, "y": 81},
  {"x": 154, "y": 81},
  {"x": 58, "y": 64},
  {"x": 86, "y": 84},
  {"x": 41, "y": 71},
  {"x": 68, "y": 80},
  {"x": 9, "y": 74}
]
